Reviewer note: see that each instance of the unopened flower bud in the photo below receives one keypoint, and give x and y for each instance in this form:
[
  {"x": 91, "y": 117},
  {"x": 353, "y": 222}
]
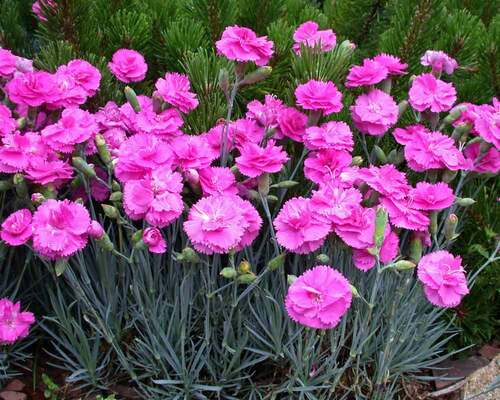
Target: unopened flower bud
[
  {"x": 116, "y": 196},
  {"x": 459, "y": 131},
  {"x": 454, "y": 114},
  {"x": 381, "y": 220},
  {"x": 403, "y": 106},
  {"x": 386, "y": 85},
  {"x": 354, "y": 291},
  {"x": 132, "y": 98},
  {"x": 263, "y": 182},
  {"x": 323, "y": 258},
  {"x": 224, "y": 81},
  {"x": 416, "y": 249},
  {"x": 379, "y": 154},
  {"x": 434, "y": 224},
  {"x": 465, "y": 201},
  {"x": 81, "y": 165},
  {"x": 270, "y": 132},
  {"x": 115, "y": 187},
  {"x": 277, "y": 262},
  {"x": 102, "y": 149},
  {"x": 285, "y": 184},
  {"x": 258, "y": 75},
  {"x": 244, "y": 267},
  {"x": 188, "y": 255},
  {"x": 450, "y": 226},
  {"x": 105, "y": 242},
  {"x": 357, "y": 161},
  {"x": 403, "y": 265},
  {"x": 228, "y": 273},
  {"x": 246, "y": 279},
  {"x": 95, "y": 230},
  {"x": 110, "y": 211},
  {"x": 21, "y": 123},
  {"x": 20, "y": 184},
  {"x": 449, "y": 176},
  {"x": 192, "y": 177},
  {"x": 49, "y": 191},
  {"x": 290, "y": 279},
  {"x": 37, "y": 198},
  {"x": 272, "y": 198},
  {"x": 137, "y": 236}
]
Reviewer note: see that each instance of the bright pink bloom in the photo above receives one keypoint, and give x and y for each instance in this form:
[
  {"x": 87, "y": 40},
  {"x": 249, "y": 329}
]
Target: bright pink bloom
[
  {"x": 359, "y": 229},
  {"x": 299, "y": 228},
  {"x": 174, "y": 89},
  {"x": 128, "y": 66},
  {"x": 23, "y": 65},
  {"x": 114, "y": 138},
  {"x": 439, "y": 61},
  {"x": 252, "y": 224},
  {"x": 331, "y": 135},
  {"x": 217, "y": 181},
  {"x": 14, "y": 323},
  {"x": 364, "y": 261},
  {"x": 48, "y": 170},
  {"x": 69, "y": 93},
  {"x": 242, "y": 45},
  {"x": 319, "y": 298},
  {"x": 17, "y": 229},
  {"x": 18, "y": 149},
  {"x": 7, "y": 123},
  {"x": 431, "y": 196},
  {"x": 319, "y": 96},
  {"x": 129, "y": 116},
  {"x": 7, "y": 63},
  {"x": 39, "y": 11},
  {"x": 165, "y": 125},
  {"x": 98, "y": 190},
  {"x": 487, "y": 125},
  {"x": 386, "y": 180},
  {"x": 60, "y": 228},
  {"x": 244, "y": 131},
  {"x": 215, "y": 224},
  {"x": 326, "y": 165},
  {"x": 335, "y": 203},
  {"x": 429, "y": 93},
  {"x": 85, "y": 75},
  {"x": 308, "y": 35},
  {"x": 140, "y": 154},
  {"x": 483, "y": 163},
  {"x": 74, "y": 127},
  {"x": 403, "y": 215},
  {"x": 192, "y": 152},
  {"x": 370, "y": 73},
  {"x": 374, "y": 112},
  {"x": 255, "y": 160},
  {"x": 32, "y": 88},
  {"x": 443, "y": 278},
  {"x": 392, "y": 63},
  {"x": 292, "y": 123},
  {"x": 153, "y": 238},
  {"x": 265, "y": 114},
  {"x": 95, "y": 230},
  {"x": 110, "y": 117},
  {"x": 156, "y": 197}
]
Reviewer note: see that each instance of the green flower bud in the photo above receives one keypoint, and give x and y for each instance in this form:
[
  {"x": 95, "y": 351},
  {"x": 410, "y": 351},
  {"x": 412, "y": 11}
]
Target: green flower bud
[
  {"x": 105, "y": 243},
  {"x": 81, "y": 165},
  {"x": 110, "y": 211},
  {"x": 116, "y": 196},
  {"x": 61, "y": 266},
  {"x": 323, "y": 259},
  {"x": 244, "y": 267},
  {"x": 246, "y": 279},
  {"x": 416, "y": 249},
  {"x": 258, "y": 75},
  {"x": 404, "y": 265},
  {"x": 49, "y": 192},
  {"x": 434, "y": 224},
  {"x": 381, "y": 219},
  {"x": 102, "y": 149},
  {"x": 454, "y": 114},
  {"x": 132, "y": 98},
  {"x": 354, "y": 291},
  {"x": 224, "y": 81},
  {"x": 290, "y": 279},
  {"x": 140, "y": 245},
  {"x": 285, "y": 184},
  {"x": 272, "y": 198},
  {"x": 188, "y": 255},
  {"x": 21, "y": 123},
  {"x": 137, "y": 236},
  {"x": 21, "y": 185},
  {"x": 357, "y": 161},
  {"x": 115, "y": 187},
  {"x": 465, "y": 201},
  {"x": 379, "y": 154},
  {"x": 277, "y": 262},
  {"x": 449, "y": 176},
  {"x": 229, "y": 273},
  {"x": 403, "y": 106},
  {"x": 263, "y": 182},
  {"x": 386, "y": 85},
  {"x": 450, "y": 227}
]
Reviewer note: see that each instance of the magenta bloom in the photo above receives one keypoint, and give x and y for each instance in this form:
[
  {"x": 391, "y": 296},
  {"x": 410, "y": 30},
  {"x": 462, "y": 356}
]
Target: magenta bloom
[
  {"x": 14, "y": 323},
  {"x": 319, "y": 96},
  {"x": 443, "y": 278},
  {"x": 432, "y": 196},
  {"x": 292, "y": 123},
  {"x": 75, "y": 126},
  {"x": 217, "y": 181},
  {"x": 429, "y": 93},
  {"x": 439, "y": 61},
  {"x": 331, "y": 135},
  {"x": 192, "y": 152},
  {"x": 370, "y": 73},
  {"x": 253, "y": 222},
  {"x": 364, "y": 261},
  {"x": 242, "y": 45},
  {"x": 255, "y": 160},
  {"x": 7, "y": 123},
  {"x": 386, "y": 180},
  {"x": 392, "y": 63},
  {"x": 165, "y": 124},
  {"x": 374, "y": 112},
  {"x": 7, "y": 63},
  {"x": 335, "y": 203},
  {"x": 17, "y": 229},
  {"x": 402, "y": 214},
  {"x": 18, "y": 149},
  {"x": 69, "y": 93},
  {"x": 60, "y": 228},
  {"x": 32, "y": 89},
  {"x": 483, "y": 163},
  {"x": 319, "y": 298},
  {"x": 325, "y": 166},
  {"x": 153, "y": 238},
  {"x": 156, "y": 198},
  {"x": 128, "y": 66},
  {"x": 140, "y": 154},
  {"x": 299, "y": 228},
  {"x": 358, "y": 230},
  {"x": 48, "y": 170},
  {"x": 265, "y": 114},
  {"x": 174, "y": 89},
  {"x": 85, "y": 75},
  {"x": 215, "y": 224},
  {"x": 95, "y": 230},
  {"x": 487, "y": 125},
  {"x": 308, "y": 35}
]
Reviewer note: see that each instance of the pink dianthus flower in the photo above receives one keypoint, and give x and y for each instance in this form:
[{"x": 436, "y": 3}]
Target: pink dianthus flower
[
  {"x": 7, "y": 63},
  {"x": 331, "y": 135},
  {"x": 370, "y": 73},
  {"x": 192, "y": 152},
  {"x": 386, "y": 180},
  {"x": 174, "y": 89},
  {"x": 255, "y": 160},
  {"x": 266, "y": 114},
  {"x": 32, "y": 88},
  {"x": 7, "y": 123},
  {"x": 364, "y": 261},
  {"x": 309, "y": 35},
  {"x": 488, "y": 162},
  {"x": 242, "y": 45},
  {"x": 402, "y": 214},
  {"x": 153, "y": 238},
  {"x": 429, "y": 93},
  {"x": 14, "y": 323},
  {"x": 431, "y": 196},
  {"x": 128, "y": 66},
  {"x": 392, "y": 63},
  {"x": 319, "y": 96},
  {"x": 292, "y": 123},
  {"x": 326, "y": 165},
  {"x": 439, "y": 61},
  {"x": 217, "y": 181},
  {"x": 336, "y": 203},
  {"x": 374, "y": 112},
  {"x": 16, "y": 229},
  {"x": 358, "y": 230}
]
